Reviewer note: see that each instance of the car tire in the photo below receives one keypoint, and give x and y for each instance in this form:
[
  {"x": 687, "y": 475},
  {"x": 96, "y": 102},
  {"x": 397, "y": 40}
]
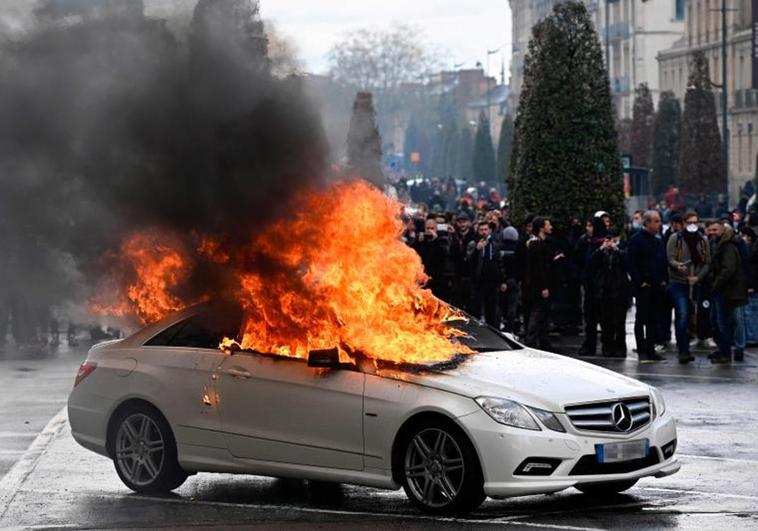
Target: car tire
[
  {"x": 606, "y": 489},
  {"x": 439, "y": 468},
  {"x": 144, "y": 451}
]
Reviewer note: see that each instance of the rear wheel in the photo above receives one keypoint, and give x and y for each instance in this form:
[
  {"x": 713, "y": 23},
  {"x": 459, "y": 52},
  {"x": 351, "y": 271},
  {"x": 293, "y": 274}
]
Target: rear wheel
[
  {"x": 441, "y": 472},
  {"x": 606, "y": 489},
  {"x": 144, "y": 451}
]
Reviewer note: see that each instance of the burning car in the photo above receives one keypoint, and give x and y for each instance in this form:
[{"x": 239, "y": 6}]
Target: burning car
[{"x": 501, "y": 421}]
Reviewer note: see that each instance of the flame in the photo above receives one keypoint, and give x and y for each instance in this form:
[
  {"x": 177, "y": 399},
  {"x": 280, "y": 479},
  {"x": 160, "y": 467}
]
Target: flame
[
  {"x": 335, "y": 275},
  {"x": 147, "y": 268},
  {"x": 343, "y": 279}
]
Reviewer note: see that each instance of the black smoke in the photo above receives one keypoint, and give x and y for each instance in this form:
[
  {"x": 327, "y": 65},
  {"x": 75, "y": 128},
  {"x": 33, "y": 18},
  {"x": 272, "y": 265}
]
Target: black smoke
[{"x": 110, "y": 123}]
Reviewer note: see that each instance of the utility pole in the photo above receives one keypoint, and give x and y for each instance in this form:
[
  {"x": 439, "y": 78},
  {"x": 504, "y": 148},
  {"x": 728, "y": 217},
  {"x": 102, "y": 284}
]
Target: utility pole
[
  {"x": 725, "y": 92},
  {"x": 487, "y": 81},
  {"x": 608, "y": 37}
]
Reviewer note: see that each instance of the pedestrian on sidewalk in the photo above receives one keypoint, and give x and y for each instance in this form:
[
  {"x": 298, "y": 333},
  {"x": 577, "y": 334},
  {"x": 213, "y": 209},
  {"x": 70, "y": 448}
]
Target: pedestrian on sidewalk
[
  {"x": 646, "y": 263},
  {"x": 729, "y": 288},
  {"x": 688, "y": 256}
]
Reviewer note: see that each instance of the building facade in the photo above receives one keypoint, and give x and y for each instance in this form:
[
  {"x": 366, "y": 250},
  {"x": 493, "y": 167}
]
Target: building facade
[
  {"x": 631, "y": 33},
  {"x": 703, "y": 32}
]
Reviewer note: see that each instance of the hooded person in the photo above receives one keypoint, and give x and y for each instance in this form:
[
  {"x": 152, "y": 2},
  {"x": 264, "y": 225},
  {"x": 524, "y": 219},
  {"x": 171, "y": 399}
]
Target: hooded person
[
  {"x": 509, "y": 299},
  {"x": 729, "y": 288},
  {"x": 599, "y": 232}
]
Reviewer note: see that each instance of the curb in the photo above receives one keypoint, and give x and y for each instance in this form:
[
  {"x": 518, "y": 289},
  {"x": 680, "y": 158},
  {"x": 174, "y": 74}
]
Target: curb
[{"x": 16, "y": 476}]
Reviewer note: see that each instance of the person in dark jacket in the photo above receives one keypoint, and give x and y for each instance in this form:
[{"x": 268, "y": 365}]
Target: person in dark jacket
[
  {"x": 610, "y": 289},
  {"x": 592, "y": 244},
  {"x": 433, "y": 250},
  {"x": 509, "y": 300},
  {"x": 536, "y": 283},
  {"x": 487, "y": 275},
  {"x": 740, "y": 331},
  {"x": 750, "y": 236},
  {"x": 459, "y": 241},
  {"x": 729, "y": 288},
  {"x": 646, "y": 263}
]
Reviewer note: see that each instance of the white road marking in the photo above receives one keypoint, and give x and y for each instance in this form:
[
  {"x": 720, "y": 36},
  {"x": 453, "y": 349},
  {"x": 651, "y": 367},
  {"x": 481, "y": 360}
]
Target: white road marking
[
  {"x": 17, "y": 434},
  {"x": 716, "y": 458},
  {"x": 701, "y": 493},
  {"x": 12, "y": 481}
]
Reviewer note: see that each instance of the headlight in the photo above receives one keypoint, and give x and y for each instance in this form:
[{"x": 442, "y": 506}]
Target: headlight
[
  {"x": 507, "y": 412},
  {"x": 548, "y": 419},
  {"x": 658, "y": 403}
]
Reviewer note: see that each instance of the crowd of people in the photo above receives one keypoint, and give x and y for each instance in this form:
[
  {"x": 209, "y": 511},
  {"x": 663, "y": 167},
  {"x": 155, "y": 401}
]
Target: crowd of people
[{"x": 698, "y": 274}]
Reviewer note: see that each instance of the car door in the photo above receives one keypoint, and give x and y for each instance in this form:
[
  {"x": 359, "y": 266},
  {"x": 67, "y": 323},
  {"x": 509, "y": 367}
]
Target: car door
[
  {"x": 181, "y": 363},
  {"x": 278, "y": 409}
]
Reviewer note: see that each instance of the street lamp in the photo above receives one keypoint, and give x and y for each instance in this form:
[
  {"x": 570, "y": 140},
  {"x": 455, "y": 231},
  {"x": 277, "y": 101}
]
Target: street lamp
[{"x": 490, "y": 52}]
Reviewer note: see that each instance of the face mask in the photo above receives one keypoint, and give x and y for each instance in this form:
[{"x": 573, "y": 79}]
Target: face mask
[
  {"x": 691, "y": 227},
  {"x": 636, "y": 225}
]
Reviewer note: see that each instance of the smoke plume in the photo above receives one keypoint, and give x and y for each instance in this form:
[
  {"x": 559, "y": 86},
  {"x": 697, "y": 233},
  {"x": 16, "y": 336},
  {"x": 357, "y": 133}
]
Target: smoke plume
[{"x": 110, "y": 123}]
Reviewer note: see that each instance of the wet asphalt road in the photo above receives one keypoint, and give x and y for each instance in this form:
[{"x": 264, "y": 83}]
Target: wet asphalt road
[{"x": 47, "y": 481}]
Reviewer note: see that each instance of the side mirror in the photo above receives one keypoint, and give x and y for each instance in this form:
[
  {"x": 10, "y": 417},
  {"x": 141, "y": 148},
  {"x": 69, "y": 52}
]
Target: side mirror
[{"x": 328, "y": 358}]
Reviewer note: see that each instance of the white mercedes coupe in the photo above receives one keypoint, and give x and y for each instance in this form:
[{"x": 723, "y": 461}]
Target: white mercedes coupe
[{"x": 507, "y": 421}]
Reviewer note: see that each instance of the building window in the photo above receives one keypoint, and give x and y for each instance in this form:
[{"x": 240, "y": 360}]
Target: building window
[{"x": 679, "y": 14}]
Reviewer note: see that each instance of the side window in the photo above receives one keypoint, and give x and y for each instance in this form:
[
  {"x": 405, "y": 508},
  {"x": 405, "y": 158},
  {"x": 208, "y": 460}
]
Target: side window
[
  {"x": 204, "y": 330},
  {"x": 164, "y": 338}
]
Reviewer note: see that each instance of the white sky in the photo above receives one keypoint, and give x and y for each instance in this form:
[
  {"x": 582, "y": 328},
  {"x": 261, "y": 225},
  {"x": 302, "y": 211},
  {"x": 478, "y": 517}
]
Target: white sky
[{"x": 461, "y": 29}]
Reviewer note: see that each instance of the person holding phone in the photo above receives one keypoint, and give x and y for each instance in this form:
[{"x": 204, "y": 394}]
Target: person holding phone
[
  {"x": 488, "y": 275},
  {"x": 433, "y": 251}
]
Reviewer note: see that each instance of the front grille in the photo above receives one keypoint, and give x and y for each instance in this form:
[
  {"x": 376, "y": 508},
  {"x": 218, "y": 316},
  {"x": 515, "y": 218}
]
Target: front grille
[
  {"x": 588, "y": 465},
  {"x": 599, "y": 416}
]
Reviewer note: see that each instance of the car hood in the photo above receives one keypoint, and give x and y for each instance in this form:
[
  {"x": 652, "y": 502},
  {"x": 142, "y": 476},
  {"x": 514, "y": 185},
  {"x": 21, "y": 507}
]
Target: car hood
[{"x": 532, "y": 377}]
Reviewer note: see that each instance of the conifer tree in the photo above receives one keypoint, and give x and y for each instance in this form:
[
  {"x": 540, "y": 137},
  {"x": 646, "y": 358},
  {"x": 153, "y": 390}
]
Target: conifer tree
[
  {"x": 465, "y": 152},
  {"x": 701, "y": 163},
  {"x": 643, "y": 116},
  {"x": 484, "y": 154},
  {"x": 504, "y": 148},
  {"x": 364, "y": 144},
  {"x": 567, "y": 160},
  {"x": 666, "y": 136}
]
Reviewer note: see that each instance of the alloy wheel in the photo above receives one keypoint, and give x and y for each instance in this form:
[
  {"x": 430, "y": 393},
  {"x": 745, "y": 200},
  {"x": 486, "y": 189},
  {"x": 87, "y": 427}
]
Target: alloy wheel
[
  {"x": 140, "y": 449},
  {"x": 434, "y": 467}
]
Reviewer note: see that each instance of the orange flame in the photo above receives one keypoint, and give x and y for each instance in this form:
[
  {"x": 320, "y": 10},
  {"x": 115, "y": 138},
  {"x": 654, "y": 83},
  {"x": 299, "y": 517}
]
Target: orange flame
[
  {"x": 149, "y": 266},
  {"x": 335, "y": 275},
  {"x": 345, "y": 279}
]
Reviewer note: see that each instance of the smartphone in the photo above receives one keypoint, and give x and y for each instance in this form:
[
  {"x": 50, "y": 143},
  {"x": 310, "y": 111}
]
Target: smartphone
[{"x": 441, "y": 227}]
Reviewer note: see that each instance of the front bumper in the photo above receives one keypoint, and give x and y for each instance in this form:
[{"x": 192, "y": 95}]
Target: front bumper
[{"x": 503, "y": 449}]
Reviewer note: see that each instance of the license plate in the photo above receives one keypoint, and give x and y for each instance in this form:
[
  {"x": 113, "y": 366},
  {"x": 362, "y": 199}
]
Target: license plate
[{"x": 622, "y": 451}]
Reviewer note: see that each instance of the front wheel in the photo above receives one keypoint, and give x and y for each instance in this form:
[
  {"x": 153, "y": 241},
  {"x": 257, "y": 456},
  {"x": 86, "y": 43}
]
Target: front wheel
[
  {"x": 441, "y": 472},
  {"x": 144, "y": 451},
  {"x": 606, "y": 489}
]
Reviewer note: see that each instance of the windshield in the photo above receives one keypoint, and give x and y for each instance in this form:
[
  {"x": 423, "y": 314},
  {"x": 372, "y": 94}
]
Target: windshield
[{"x": 482, "y": 337}]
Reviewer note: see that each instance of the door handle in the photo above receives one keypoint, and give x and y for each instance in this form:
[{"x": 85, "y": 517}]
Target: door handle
[{"x": 238, "y": 372}]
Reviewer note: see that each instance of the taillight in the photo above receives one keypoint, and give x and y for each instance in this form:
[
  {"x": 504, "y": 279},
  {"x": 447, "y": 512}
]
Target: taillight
[{"x": 85, "y": 369}]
